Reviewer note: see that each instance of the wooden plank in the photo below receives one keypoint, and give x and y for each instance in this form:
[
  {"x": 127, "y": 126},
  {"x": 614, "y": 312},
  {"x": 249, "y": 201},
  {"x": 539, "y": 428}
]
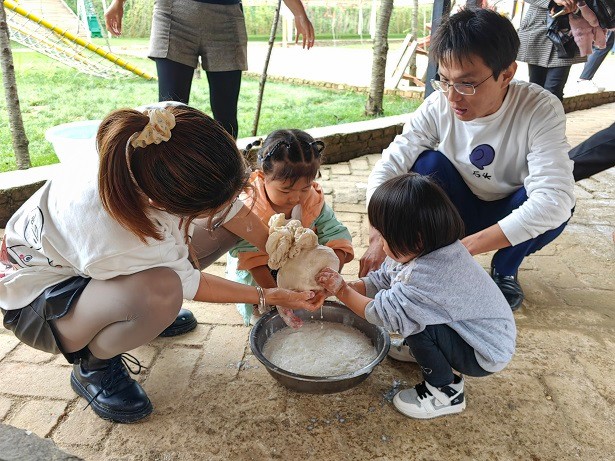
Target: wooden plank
[{"x": 403, "y": 64}]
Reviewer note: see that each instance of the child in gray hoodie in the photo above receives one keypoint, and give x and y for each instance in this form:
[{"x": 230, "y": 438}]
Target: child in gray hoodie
[{"x": 432, "y": 291}]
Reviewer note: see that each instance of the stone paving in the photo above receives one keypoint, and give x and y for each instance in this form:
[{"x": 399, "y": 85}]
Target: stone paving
[{"x": 214, "y": 401}]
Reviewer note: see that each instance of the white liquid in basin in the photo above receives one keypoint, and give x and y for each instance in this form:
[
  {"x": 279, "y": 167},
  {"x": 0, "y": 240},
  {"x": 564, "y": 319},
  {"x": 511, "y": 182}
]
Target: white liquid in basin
[{"x": 320, "y": 349}]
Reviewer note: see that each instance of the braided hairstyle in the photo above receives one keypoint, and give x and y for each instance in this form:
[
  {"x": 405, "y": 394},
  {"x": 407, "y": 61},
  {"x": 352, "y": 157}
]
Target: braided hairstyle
[{"x": 289, "y": 155}]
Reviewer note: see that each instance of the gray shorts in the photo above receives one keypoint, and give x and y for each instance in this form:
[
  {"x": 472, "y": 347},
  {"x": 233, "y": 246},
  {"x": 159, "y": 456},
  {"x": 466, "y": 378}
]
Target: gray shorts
[
  {"x": 183, "y": 30},
  {"x": 33, "y": 324}
]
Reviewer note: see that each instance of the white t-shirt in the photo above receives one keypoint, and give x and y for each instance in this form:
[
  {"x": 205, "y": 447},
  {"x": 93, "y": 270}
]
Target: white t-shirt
[
  {"x": 522, "y": 144},
  {"x": 63, "y": 231}
]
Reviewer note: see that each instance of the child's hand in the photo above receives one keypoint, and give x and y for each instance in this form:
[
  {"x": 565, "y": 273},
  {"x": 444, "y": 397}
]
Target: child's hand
[{"x": 330, "y": 280}]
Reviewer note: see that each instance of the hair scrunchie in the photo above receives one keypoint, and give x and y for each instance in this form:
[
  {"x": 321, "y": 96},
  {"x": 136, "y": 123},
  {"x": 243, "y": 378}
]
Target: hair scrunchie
[{"x": 157, "y": 130}]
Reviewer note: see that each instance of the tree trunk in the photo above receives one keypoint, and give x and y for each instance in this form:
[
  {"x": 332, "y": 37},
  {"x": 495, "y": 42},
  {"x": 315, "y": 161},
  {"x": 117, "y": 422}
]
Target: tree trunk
[
  {"x": 415, "y": 34},
  {"x": 261, "y": 84},
  {"x": 20, "y": 141},
  {"x": 381, "y": 47}
]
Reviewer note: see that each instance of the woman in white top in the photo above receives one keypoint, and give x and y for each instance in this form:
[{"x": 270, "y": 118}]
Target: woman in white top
[{"x": 97, "y": 263}]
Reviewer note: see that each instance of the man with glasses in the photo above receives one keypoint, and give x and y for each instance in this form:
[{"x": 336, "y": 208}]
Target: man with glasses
[{"x": 496, "y": 146}]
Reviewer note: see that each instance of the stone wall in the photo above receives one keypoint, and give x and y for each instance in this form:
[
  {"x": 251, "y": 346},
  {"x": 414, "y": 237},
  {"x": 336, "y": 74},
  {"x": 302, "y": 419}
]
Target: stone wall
[{"x": 12, "y": 198}]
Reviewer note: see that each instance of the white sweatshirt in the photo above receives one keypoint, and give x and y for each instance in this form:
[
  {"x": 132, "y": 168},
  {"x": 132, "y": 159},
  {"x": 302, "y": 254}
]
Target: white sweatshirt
[
  {"x": 62, "y": 231},
  {"x": 522, "y": 144}
]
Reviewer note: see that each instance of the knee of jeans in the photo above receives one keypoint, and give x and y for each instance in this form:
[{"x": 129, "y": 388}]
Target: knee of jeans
[{"x": 430, "y": 161}]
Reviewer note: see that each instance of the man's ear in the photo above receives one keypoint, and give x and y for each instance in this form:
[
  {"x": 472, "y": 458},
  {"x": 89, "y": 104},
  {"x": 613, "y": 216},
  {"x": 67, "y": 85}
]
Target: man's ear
[{"x": 509, "y": 72}]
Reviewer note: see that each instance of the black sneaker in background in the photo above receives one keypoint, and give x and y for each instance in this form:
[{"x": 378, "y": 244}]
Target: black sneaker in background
[{"x": 184, "y": 322}]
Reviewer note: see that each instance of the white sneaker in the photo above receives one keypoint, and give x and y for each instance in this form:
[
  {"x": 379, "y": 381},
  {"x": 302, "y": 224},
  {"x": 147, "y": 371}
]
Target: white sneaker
[
  {"x": 424, "y": 401},
  {"x": 400, "y": 352},
  {"x": 587, "y": 87}
]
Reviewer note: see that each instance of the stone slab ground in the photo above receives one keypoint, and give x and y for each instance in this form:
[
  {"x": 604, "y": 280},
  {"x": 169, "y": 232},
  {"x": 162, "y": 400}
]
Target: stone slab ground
[{"x": 214, "y": 401}]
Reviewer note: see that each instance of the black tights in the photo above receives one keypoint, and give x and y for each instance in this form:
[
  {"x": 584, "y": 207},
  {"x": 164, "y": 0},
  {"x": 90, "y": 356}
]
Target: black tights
[{"x": 175, "y": 81}]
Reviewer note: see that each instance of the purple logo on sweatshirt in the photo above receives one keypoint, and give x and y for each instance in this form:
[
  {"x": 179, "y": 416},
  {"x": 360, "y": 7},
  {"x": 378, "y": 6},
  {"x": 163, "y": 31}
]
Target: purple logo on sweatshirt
[{"x": 482, "y": 156}]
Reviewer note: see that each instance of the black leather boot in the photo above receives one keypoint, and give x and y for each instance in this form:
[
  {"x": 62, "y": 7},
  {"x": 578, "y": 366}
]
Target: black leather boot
[
  {"x": 108, "y": 388},
  {"x": 184, "y": 322}
]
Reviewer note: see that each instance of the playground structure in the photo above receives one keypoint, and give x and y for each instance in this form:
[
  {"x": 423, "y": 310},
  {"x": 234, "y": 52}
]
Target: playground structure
[{"x": 66, "y": 47}]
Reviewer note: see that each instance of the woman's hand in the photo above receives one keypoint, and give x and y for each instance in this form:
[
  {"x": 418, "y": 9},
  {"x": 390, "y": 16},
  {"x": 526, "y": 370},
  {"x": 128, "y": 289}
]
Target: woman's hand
[
  {"x": 113, "y": 17},
  {"x": 330, "y": 280},
  {"x": 569, "y": 5},
  {"x": 305, "y": 29},
  {"x": 290, "y": 299},
  {"x": 287, "y": 300}
]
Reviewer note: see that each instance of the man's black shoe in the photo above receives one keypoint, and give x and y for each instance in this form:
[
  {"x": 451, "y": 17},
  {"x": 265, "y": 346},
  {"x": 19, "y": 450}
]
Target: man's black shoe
[
  {"x": 184, "y": 322},
  {"x": 510, "y": 288},
  {"x": 109, "y": 390}
]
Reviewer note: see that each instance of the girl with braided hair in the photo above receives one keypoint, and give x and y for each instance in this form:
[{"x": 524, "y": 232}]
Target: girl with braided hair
[{"x": 284, "y": 181}]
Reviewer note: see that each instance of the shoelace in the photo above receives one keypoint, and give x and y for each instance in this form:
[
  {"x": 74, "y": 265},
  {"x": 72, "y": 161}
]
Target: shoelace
[{"x": 114, "y": 374}]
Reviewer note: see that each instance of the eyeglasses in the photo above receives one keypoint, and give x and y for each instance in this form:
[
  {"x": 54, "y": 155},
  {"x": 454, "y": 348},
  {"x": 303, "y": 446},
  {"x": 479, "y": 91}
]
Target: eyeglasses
[{"x": 466, "y": 89}]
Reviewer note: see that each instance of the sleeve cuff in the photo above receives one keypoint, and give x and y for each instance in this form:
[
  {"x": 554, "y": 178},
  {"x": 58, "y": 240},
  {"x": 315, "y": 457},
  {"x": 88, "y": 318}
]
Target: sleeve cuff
[
  {"x": 513, "y": 230},
  {"x": 370, "y": 288},
  {"x": 371, "y": 316}
]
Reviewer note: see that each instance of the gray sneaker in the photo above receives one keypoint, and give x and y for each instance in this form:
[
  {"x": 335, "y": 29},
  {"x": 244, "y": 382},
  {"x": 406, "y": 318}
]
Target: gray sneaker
[{"x": 400, "y": 352}]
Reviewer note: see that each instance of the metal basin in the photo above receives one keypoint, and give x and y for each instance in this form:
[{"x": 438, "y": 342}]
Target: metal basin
[{"x": 332, "y": 312}]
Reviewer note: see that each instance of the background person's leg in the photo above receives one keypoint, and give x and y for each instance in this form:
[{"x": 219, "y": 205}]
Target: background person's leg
[
  {"x": 595, "y": 154},
  {"x": 537, "y": 74},
  {"x": 556, "y": 80},
  {"x": 595, "y": 59},
  {"x": 174, "y": 80},
  {"x": 223, "y": 97}
]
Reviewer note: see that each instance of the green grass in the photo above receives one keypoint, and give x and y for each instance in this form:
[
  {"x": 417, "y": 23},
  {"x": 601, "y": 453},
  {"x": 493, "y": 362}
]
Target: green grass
[{"x": 51, "y": 93}]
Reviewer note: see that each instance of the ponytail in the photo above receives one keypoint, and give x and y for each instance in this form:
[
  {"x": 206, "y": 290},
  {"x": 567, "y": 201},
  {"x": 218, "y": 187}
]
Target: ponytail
[{"x": 120, "y": 197}]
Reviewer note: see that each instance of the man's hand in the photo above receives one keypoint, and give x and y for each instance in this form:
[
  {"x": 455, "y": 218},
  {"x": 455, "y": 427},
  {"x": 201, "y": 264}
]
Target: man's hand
[
  {"x": 113, "y": 17},
  {"x": 374, "y": 255}
]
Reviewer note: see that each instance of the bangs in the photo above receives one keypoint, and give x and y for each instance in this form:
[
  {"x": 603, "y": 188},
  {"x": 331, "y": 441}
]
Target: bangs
[{"x": 287, "y": 171}]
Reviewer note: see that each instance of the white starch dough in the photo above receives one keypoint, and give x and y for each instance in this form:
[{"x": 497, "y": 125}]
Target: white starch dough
[{"x": 320, "y": 349}]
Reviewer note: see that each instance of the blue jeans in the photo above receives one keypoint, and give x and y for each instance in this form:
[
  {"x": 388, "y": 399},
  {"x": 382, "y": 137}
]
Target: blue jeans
[
  {"x": 479, "y": 214},
  {"x": 595, "y": 59},
  {"x": 438, "y": 348}
]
